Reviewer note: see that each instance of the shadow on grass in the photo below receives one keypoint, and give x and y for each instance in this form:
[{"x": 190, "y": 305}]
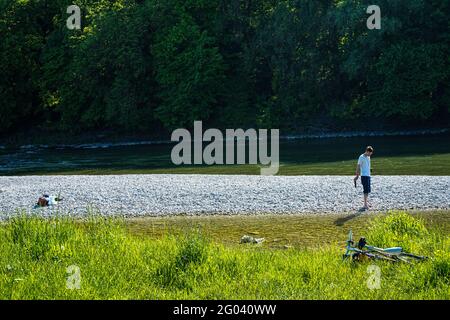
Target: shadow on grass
[{"x": 341, "y": 221}]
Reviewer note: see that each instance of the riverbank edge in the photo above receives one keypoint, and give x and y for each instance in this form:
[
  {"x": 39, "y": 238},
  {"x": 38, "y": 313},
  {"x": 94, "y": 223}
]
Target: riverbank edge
[
  {"x": 93, "y": 212},
  {"x": 104, "y": 141}
]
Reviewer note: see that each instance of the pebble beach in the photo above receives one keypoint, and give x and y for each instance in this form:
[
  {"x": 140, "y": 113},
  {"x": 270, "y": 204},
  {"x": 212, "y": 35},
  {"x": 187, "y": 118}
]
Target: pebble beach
[{"x": 172, "y": 194}]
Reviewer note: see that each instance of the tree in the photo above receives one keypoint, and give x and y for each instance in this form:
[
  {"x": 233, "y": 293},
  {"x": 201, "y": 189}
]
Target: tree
[
  {"x": 102, "y": 76},
  {"x": 24, "y": 26},
  {"x": 188, "y": 68}
]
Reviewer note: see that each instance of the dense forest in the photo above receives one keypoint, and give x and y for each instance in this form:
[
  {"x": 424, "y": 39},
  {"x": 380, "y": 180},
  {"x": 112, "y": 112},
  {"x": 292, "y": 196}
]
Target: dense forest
[{"x": 155, "y": 65}]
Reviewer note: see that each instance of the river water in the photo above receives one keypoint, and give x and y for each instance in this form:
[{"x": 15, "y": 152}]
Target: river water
[{"x": 48, "y": 159}]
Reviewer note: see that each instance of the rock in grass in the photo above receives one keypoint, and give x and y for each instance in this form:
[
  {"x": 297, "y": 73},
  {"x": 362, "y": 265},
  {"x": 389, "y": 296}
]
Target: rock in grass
[{"x": 250, "y": 239}]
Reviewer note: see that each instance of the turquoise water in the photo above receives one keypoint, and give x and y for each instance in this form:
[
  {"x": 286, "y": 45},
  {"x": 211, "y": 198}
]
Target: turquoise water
[{"x": 30, "y": 159}]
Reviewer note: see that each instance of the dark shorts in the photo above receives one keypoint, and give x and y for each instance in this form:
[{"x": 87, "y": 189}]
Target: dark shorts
[{"x": 366, "y": 184}]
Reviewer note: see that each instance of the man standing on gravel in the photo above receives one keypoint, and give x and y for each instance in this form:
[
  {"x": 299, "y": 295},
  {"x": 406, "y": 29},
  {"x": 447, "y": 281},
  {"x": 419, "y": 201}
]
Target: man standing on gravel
[{"x": 363, "y": 170}]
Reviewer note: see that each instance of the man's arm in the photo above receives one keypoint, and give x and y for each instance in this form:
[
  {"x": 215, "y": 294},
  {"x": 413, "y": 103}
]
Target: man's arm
[{"x": 358, "y": 172}]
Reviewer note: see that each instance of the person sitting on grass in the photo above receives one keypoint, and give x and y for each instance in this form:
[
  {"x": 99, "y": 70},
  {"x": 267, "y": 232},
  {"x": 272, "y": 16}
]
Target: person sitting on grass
[{"x": 363, "y": 170}]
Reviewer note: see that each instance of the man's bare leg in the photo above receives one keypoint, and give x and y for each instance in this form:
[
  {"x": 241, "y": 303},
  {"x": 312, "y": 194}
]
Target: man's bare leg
[{"x": 366, "y": 196}]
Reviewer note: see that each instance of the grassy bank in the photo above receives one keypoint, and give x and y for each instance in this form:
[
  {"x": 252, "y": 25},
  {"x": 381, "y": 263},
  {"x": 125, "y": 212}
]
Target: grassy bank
[{"x": 115, "y": 263}]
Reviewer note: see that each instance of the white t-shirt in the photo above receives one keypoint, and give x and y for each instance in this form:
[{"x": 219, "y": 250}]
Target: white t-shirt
[
  {"x": 51, "y": 200},
  {"x": 364, "y": 162}
]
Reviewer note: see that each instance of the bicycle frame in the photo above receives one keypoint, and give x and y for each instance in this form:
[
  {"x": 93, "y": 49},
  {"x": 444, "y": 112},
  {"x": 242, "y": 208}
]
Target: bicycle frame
[{"x": 393, "y": 254}]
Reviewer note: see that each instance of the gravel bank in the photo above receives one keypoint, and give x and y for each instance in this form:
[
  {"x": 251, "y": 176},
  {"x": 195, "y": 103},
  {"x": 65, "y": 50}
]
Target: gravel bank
[{"x": 137, "y": 195}]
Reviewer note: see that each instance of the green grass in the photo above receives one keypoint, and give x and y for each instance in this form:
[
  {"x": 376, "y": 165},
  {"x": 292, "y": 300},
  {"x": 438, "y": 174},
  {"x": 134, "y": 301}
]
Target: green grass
[
  {"x": 434, "y": 165},
  {"x": 117, "y": 263}
]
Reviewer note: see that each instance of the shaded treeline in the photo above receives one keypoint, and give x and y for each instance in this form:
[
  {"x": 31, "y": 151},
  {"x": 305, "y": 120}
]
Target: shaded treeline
[{"x": 152, "y": 65}]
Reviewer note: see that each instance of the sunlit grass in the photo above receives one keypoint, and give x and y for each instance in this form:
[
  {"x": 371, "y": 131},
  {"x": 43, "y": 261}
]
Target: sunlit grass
[{"x": 116, "y": 264}]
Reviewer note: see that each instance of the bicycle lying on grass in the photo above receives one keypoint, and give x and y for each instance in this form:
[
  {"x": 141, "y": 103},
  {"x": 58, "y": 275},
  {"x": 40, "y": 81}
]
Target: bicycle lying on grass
[{"x": 363, "y": 251}]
